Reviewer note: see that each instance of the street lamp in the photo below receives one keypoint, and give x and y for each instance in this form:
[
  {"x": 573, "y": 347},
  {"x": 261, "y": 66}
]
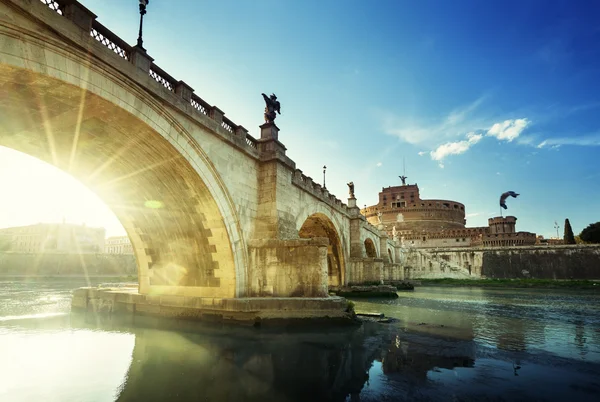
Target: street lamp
[
  {"x": 556, "y": 227},
  {"x": 324, "y": 169},
  {"x": 143, "y": 4}
]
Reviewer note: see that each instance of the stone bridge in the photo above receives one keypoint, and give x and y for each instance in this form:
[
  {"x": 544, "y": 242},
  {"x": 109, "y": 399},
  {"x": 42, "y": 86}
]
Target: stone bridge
[{"x": 211, "y": 211}]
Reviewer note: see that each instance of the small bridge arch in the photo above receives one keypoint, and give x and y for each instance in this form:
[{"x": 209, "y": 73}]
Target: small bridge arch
[{"x": 320, "y": 225}]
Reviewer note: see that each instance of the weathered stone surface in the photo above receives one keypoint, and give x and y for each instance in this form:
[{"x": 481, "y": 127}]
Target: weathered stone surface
[
  {"x": 247, "y": 310},
  {"x": 192, "y": 189},
  {"x": 542, "y": 262}
]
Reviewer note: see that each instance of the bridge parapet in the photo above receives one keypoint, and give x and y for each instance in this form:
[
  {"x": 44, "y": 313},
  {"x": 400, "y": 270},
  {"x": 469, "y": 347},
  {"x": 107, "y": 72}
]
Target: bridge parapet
[
  {"x": 86, "y": 20},
  {"x": 309, "y": 185}
]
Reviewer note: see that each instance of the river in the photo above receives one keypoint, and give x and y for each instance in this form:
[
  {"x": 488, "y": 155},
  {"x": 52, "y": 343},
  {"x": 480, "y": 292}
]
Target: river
[{"x": 449, "y": 344}]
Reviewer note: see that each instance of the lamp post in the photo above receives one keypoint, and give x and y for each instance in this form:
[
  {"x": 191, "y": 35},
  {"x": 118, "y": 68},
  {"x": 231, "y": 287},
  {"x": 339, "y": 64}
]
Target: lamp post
[
  {"x": 324, "y": 169},
  {"x": 556, "y": 227},
  {"x": 143, "y": 4}
]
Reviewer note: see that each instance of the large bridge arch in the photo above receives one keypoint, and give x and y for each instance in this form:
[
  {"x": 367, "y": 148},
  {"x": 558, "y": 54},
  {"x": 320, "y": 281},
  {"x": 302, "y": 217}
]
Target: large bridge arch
[
  {"x": 67, "y": 108},
  {"x": 320, "y": 224}
]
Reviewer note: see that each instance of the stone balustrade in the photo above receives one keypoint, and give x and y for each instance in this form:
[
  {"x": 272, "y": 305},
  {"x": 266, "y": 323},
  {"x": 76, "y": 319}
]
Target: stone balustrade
[
  {"x": 85, "y": 19},
  {"x": 309, "y": 185}
]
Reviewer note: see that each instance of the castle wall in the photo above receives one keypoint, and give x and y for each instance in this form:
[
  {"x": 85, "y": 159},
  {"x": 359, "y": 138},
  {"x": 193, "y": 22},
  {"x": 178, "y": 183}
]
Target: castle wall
[{"x": 540, "y": 262}]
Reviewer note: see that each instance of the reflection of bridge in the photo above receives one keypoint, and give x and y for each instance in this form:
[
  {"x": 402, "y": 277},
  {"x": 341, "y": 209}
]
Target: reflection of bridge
[
  {"x": 198, "y": 362},
  {"x": 210, "y": 210}
]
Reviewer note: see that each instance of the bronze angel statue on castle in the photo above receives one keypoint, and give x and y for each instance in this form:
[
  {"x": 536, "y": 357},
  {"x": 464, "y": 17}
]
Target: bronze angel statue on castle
[{"x": 272, "y": 106}]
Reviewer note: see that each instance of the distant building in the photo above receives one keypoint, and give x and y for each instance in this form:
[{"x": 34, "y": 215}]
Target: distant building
[
  {"x": 416, "y": 222},
  {"x": 53, "y": 237},
  {"x": 553, "y": 241},
  {"x": 118, "y": 245}
]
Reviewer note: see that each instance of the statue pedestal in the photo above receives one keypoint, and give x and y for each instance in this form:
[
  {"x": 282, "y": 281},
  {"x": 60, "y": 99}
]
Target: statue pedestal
[
  {"x": 351, "y": 202},
  {"x": 269, "y": 131}
]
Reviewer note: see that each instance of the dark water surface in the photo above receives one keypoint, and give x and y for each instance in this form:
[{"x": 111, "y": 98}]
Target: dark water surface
[{"x": 450, "y": 344}]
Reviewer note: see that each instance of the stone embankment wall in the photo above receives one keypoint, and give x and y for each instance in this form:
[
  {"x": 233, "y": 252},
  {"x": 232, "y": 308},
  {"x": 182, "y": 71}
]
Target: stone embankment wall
[
  {"x": 559, "y": 262},
  {"x": 35, "y": 265},
  {"x": 541, "y": 262}
]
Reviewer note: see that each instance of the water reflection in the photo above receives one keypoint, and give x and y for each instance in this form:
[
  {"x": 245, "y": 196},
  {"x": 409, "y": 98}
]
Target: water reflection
[
  {"x": 195, "y": 362},
  {"x": 449, "y": 344}
]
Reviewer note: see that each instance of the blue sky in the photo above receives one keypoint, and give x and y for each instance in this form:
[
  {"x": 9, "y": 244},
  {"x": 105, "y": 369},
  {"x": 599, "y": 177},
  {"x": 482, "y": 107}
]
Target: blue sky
[{"x": 478, "y": 97}]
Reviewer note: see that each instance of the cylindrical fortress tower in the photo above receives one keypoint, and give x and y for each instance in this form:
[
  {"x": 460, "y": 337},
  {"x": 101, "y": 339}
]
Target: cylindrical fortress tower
[
  {"x": 402, "y": 207},
  {"x": 501, "y": 224}
]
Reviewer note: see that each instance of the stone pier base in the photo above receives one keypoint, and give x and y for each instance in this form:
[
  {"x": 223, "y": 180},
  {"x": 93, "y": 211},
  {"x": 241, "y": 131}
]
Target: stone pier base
[{"x": 245, "y": 311}]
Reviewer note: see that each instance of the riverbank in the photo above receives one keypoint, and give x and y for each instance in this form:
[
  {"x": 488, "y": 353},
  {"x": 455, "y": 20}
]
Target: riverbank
[
  {"x": 513, "y": 283},
  {"x": 104, "y": 278}
]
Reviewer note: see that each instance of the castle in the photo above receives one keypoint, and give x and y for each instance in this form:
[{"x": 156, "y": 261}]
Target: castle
[{"x": 438, "y": 223}]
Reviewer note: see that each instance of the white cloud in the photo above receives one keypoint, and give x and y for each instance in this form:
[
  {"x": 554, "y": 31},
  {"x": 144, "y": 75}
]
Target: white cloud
[
  {"x": 441, "y": 165},
  {"x": 509, "y": 129},
  {"x": 592, "y": 140},
  {"x": 456, "y": 123},
  {"x": 379, "y": 164},
  {"x": 473, "y": 214},
  {"x": 455, "y": 148},
  {"x": 422, "y": 153}
]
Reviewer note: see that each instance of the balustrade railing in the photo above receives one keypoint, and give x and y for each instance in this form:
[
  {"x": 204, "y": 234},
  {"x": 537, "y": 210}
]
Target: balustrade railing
[
  {"x": 118, "y": 46},
  {"x": 251, "y": 141},
  {"x": 199, "y": 104},
  {"x": 227, "y": 124},
  {"x": 110, "y": 40},
  {"x": 53, "y": 5},
  {"x": 162, "y": 77}
]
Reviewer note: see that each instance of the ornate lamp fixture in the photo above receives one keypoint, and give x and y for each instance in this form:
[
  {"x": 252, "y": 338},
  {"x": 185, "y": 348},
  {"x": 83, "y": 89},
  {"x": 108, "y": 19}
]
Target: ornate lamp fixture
[{"x": 143, "y": 4}]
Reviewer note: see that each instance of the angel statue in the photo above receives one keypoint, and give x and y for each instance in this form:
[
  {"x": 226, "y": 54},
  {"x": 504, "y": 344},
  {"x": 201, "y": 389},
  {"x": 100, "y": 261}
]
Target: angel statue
[
  {"x": 351, "y": 189},
  {"x": 272, "y": 106}
]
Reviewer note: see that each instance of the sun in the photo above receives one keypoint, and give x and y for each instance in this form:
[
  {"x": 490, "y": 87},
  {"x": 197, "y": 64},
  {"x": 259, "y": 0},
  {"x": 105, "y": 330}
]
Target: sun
[{"x": 34, "y": 191}]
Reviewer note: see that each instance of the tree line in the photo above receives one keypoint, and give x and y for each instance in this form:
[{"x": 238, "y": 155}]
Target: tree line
[{"x": 591, "y": 234}]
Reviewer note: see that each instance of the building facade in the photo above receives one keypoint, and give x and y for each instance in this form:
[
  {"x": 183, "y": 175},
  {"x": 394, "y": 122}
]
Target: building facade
[
  {"x": 118, "y": 245},
  {"x": 53, "y": 237},
  {"x": 422, "y": 223}
]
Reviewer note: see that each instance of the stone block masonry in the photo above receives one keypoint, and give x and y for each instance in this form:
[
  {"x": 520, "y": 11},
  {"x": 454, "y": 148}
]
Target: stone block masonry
[{"x": 539, "y": 262}]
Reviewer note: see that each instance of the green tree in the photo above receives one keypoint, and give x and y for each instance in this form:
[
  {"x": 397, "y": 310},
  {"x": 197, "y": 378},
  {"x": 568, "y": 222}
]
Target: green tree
[
  {"x": 591, "y": 234},
  {"x": 568, "y": 237}
]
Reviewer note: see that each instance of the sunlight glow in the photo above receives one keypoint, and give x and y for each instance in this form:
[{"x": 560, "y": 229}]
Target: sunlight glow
[{"x": 34, "y": 191}]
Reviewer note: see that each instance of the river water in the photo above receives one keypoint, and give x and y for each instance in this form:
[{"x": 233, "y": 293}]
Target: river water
[{"x": 449, "y": 344}]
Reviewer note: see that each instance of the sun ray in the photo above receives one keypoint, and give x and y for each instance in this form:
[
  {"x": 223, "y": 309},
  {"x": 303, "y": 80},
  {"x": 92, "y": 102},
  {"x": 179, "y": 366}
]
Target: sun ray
[
  {"x": 139, "y": 171},
  {"x": 79, "y": 119},
  {"x": 133, "y": 141}
]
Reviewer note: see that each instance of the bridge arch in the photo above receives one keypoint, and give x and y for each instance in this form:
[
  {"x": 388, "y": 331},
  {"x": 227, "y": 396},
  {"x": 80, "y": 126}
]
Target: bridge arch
[
  {"x": 370, "y": 249},
  {"x": 61, "y": 105},
  {"x": 319, "y": 225}
]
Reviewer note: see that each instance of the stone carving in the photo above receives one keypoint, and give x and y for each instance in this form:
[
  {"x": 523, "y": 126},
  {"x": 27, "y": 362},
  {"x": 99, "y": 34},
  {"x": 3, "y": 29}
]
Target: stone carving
[
  {"x": 379, "y": 214},
  {"x": 272, "y": 106},
  {"x": 403, "y": 178},
  {"x": 394, "y": 233},
  {"x": 351, "y": 188}
]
